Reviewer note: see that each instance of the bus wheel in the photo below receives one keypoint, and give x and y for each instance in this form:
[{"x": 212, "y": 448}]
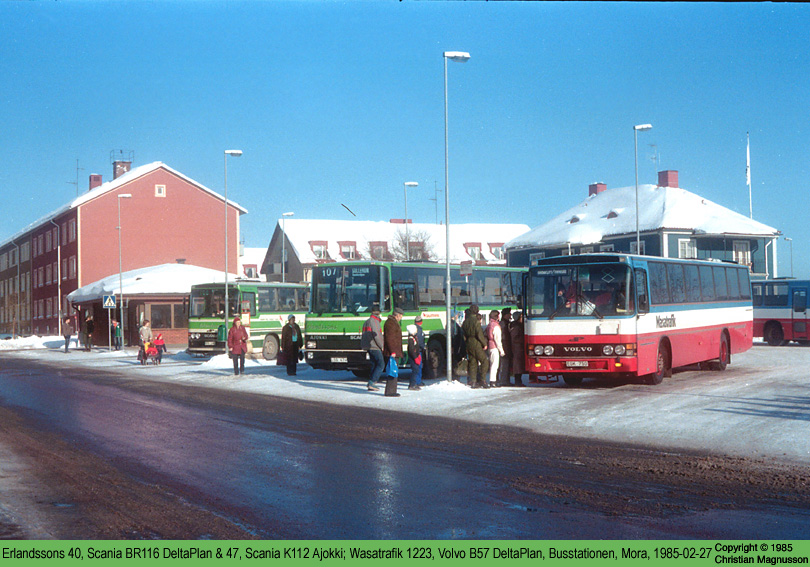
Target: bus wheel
[
  {"x": 774, "y": 335},
  {"x": 364, "y": 373},
  {"x": 572, "y": 380},
  {"x": 270, "y": 347},
  {"x": 436, "y": 359},
  {"x": 725, "y": 355},
  {"x": 662, "y": 366}
]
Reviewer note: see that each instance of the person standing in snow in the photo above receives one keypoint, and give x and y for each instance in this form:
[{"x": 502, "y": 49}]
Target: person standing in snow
[
  {"x": 392, "y": 339},
  {"x": 516, "y": 333},
  {"x": 291, "y": 342},
  {"x": 477, "y": 362},
  {"x": 67, "y": 332},
  {"x": 144, "y": 336},
  {"x": 371, "y": 341},
  {"x": 494, "y": 346},
  {"x": 504, "y": 372},
  {"x": 90, "y": 326},
  {"x": 237, "y": 345},
  {"x": 427, "y": 369},
  {"x": 415, "y": 355}
]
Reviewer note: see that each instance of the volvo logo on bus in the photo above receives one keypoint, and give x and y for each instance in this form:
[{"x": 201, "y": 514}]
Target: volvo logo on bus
[
  {"x": 577, "y": 348},
  {"x": 665, "y": 322}
]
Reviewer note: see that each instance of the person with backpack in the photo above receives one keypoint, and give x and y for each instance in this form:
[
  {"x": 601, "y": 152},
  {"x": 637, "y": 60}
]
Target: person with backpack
[{"x": 371, "y": 341}]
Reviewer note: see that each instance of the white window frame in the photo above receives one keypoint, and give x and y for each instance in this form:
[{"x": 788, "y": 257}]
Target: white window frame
[
  {"x": 687, "y": 248},
  {"x": 160, "y": 190},
  {"x": 742, "y": 252},
  {"x": 643, "y": 248}
]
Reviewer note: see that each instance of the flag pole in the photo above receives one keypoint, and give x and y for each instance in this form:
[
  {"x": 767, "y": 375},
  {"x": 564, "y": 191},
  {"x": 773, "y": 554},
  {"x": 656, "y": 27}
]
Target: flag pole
[{"x": 748, "y": 174}]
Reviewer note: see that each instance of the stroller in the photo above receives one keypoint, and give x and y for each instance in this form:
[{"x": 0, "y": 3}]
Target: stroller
[{"x": 149, "y": 354}]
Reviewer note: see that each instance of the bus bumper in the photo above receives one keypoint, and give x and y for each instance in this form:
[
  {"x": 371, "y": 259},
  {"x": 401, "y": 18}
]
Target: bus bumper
[
  {"x": 591, "y": 366},
  {"x": 338, "y": 360}
]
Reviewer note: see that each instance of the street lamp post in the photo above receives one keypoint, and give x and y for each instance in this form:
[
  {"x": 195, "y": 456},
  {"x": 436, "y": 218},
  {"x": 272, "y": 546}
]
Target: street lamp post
[
  {"x": 636, "y": 129},
  {"x": 121, "y": 267},
  {"x": 284, "y": 245},
  {"x": 791, "y": 255},
  {"x": 460, "y": 57},
  {"x": 234, "y": 153},
  {"x": 407, "y": 234}
]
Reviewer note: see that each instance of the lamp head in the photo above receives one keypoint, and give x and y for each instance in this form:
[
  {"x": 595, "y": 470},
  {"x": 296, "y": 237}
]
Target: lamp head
[
  {"x": 125, "y": 196},
  {"x": 287, "y": 214},
  {"x": 411, "y": 184},
  {"x": 460, "y": 56},
  {"x": 234, "y": 153},
  {"x": 642, "y": 127}
]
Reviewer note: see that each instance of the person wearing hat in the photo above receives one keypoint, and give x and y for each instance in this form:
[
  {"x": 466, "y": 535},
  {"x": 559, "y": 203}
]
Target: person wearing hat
[
  {"x": 291, "y": 342},
  {"x": 415, "y": 355},
  {"x": 392, "y": 339},
  {"x": 237, "y": 345},
  {"x": 427, "y": 369},
  {"x": 371, "y": 341},
  {"x": 477, "y": 361}
]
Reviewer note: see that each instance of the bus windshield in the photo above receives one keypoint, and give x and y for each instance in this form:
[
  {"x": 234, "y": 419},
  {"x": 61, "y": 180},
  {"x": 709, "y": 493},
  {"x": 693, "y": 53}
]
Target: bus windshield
[
  {"x": 602, "y": 290},
  {"x": 208, "y": 302},
  {"x": 345, "y": 289}
]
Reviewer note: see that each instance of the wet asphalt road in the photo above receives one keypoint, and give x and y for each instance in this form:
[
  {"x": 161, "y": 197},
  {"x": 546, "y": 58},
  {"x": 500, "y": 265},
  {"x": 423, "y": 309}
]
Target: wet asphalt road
[{"x": 232, "y": 465}]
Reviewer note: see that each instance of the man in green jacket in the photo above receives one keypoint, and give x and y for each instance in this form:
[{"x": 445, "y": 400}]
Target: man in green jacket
[{"x": 477, "y": 362}]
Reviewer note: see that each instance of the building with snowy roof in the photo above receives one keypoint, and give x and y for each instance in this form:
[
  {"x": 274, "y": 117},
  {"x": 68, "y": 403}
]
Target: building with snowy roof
[
  {"x": 672, "y": 222},
  {"x": 160, "y": 221},
  {"x": 311, "y": 242}
]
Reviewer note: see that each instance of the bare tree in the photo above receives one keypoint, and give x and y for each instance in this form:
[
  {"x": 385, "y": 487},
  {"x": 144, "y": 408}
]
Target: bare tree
[{"x": 421, "y": 248}]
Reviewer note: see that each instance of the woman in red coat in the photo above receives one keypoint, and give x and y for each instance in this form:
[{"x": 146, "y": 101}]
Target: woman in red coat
[{"x": 237, "y": 345}]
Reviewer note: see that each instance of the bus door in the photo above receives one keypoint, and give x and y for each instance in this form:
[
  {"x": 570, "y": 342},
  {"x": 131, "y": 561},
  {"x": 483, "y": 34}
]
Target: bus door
[{"x": 799, "y": 313}]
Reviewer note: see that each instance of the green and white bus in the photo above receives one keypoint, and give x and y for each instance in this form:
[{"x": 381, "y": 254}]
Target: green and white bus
[
  {"x": 262, "y": 306},
  {"x": 343, "y": 293}
]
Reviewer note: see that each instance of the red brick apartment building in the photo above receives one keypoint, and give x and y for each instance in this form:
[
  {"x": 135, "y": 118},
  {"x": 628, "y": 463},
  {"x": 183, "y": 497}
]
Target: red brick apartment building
[{"x": 167, "y": 218}]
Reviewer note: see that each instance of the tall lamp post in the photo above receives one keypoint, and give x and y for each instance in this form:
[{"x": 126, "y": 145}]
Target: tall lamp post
[
  {"x": 408, "y": 184},
  {"x": 636, "y": 129},
  {"x": 460, "y": 57},
  {"x": 284, "y": 245},
  {"x": 234, "y": 153},
  {"x": 791, "y": 255},
  {"x": 121, "y": 267}
]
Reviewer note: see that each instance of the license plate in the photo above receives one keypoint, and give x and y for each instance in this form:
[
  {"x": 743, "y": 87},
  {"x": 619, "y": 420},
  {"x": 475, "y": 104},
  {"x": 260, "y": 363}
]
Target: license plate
[
  {"x": 576, "y": 363},
  {"x": 340, "y": 359},
  {"x": 210, "y": 343}
]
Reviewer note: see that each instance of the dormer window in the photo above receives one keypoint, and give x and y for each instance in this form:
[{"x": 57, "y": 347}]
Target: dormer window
[
  {"x": 348, "y": 250},
  {"x": 378, "y": 250},
  {"x": 473, "y": 250},
  {"x": 496, "y": 249},
  {"x": 612, "y": 215},
  {"x": 573, "y": 219},
  {"x": 319, "y": 249}
]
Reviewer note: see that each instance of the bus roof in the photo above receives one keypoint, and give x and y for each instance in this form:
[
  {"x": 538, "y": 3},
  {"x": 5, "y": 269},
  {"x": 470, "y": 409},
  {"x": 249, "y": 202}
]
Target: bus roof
[
  {"x": 416, "y": 264},
  {"x": 621, "y": 258}
]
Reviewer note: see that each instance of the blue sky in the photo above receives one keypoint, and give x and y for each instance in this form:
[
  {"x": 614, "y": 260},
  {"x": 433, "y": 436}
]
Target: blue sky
[{"x": 341, "y": 102}]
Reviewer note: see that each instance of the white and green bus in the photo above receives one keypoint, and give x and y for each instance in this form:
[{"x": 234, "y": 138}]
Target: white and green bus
[
  {"x": 262, "y": 306},
  {"x": 343, "y": 293}
]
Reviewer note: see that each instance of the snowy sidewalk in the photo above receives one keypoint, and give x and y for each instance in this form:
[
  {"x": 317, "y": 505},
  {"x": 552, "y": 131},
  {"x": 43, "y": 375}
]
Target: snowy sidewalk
[{"x": 758, "y": 408}]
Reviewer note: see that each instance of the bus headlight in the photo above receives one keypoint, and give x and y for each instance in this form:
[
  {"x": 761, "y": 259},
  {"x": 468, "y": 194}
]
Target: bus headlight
[
  {"x": 538, "y": 350},
  {"x": 619, "y": 350},
  {"x": 607, "y": 350},
  {"x": 311, "y": 345},
  {"x": 549, "y": 350}
]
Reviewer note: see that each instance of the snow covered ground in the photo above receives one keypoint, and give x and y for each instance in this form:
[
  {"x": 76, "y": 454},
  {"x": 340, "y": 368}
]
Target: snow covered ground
[{"x": 758, "y": 408}]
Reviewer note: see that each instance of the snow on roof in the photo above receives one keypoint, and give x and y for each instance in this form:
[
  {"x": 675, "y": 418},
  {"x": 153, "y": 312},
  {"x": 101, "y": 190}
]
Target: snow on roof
[
  {"x": 613, "y": 212},
  {"x": 300, "y": 232},
  {"x": 154, "y": 280},
  {"x": 111, "y": 186}
]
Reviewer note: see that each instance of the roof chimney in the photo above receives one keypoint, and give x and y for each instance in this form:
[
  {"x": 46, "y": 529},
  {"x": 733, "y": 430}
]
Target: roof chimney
[
  {"x": 95, "y": 180},
  {"x": 595, "y": 188},
  {"x": 668, "y": 178},
  {"x": 120, "y": 168},
  {"x": 122, "y": 162}
]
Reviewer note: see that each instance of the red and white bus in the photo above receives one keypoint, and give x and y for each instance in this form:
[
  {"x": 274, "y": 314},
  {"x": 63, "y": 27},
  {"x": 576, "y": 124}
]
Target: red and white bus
[
  {"x": 619, "y": 315},
  {"x": 780, "y": 311}
]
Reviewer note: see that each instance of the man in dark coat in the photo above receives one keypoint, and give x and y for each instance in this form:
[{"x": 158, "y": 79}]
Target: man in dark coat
[
  {"x": 392, "y": 336},
  {"x": 291, "y": 342},
  {"x": 477, "y": 361},
  {"x": 67, "y": 331},
  {"x": 505, "y": 370}
]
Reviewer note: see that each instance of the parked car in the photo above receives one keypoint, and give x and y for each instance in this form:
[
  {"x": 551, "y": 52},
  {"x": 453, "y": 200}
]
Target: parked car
[{"x": 5, "y": 336}]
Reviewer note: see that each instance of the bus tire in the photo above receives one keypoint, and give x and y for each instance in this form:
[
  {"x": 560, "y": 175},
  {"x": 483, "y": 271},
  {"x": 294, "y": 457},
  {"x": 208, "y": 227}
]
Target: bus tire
[
  {"x": 774, "y": 335},
  {"x": 270, "y": 347},
  {"x": 436, "y": 358},
  {"x": 364, "y": 373},
  {"x": 572, "y": 380},
  {"x": 725, "y": 355},
  {"x": 662, "y": 366}
]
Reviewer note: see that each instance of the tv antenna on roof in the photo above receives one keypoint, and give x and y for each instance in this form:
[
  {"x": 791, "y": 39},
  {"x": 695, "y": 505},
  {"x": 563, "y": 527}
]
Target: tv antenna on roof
[
  {"x": 656, "y": 157},
  {"x": 76, "y": 183}
]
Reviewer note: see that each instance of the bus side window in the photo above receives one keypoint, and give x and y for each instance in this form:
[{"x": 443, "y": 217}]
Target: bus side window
[
  {"x": 799, "y": 300},
  {"x": 641, "y": 286},
  {"x": 405, "y": 295}
]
